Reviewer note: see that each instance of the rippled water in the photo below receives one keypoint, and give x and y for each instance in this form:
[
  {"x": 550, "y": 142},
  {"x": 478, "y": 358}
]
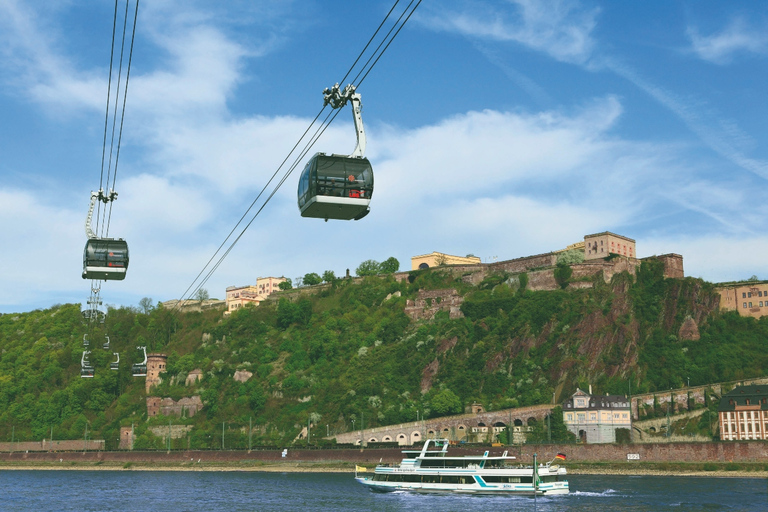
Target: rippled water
[{"x": 41, "y": 491}]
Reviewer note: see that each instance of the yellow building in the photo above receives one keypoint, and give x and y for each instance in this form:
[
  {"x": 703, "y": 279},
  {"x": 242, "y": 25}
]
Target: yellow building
[
  {"x": 435, "y": 259},
  {"x": 747, "y": 298},
  {"x": 602, "y": 245},
  {"x": 239, "y": 296}
]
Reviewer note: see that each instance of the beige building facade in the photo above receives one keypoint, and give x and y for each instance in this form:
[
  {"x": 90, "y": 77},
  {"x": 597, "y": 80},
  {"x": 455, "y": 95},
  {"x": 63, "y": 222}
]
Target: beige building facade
[
  {"x": 747, "y": 298},
  {"x": 602, "y": 245},
  {"x": 595, "y": 418},
  {"x": 240, "y": 296},
  {"x": 435, "y": 259}
]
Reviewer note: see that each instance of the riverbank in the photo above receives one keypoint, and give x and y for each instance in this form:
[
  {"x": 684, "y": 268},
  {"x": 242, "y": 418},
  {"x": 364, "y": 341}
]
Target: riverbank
[{"x": 756, "y": 470}]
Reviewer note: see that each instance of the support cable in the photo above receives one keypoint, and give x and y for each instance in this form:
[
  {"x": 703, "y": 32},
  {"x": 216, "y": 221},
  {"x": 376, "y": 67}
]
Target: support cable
[{"x": 364, "y": 71}]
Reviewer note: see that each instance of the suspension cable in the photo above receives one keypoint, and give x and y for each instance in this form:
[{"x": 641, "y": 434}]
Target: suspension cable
[
  {"x": 125, "y": 98},
  {"x": 106, "y": 114},
  {"x": 318, "y": 132}
]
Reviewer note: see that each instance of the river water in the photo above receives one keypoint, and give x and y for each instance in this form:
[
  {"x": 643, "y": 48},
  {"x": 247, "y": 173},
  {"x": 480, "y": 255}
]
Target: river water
[{"x": 41, "y": 491}]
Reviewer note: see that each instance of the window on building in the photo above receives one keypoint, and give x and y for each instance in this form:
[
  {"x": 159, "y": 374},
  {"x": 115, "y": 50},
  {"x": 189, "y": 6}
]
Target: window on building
[
  {"x": 750, "y": 304},
  {"x": 745, "y": 305},
  {"x": 761, "y": 303},
  {"x": 743, "y": 295}
]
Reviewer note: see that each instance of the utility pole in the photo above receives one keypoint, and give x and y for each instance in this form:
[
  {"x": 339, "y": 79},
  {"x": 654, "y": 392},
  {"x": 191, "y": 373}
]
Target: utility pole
[
  {"x": 222, "y": 435},
  {"x": 549, "y": 427},
  {"x": 250, "y": 432}
]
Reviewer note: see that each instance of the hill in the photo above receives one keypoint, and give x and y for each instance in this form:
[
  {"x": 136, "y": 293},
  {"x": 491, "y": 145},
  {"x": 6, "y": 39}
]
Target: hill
[{"x": 347, "y": 352}]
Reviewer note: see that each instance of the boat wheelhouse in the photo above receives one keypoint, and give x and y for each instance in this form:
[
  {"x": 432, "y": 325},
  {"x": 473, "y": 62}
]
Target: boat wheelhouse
[{"x": 430, "y": 471}]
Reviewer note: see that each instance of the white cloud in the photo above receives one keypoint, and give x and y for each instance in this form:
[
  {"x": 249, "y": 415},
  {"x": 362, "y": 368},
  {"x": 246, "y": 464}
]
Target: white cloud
[
  {"x": 559, "y": 28},
  {"x": 42, "y": 248},
  {"x": 737, "y": 37},
  {"x": 723, "y": 137}
]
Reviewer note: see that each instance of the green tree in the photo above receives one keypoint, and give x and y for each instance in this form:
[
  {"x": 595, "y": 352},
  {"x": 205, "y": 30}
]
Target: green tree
[
  {"x": 445, "y": 402},
  {"x": 202, "y": 295},
  {"x": 285, "y": 285},
  {"x": 563, "y": 273},
  {"x": 146, "y": 305},
  {"x": 389, "y": 266},
  {"x": 312, "y": 279},
  {"x": 559, "y": 431},
  {"x": 329, "y": 276},
  {"x": 368, "y": 268}
]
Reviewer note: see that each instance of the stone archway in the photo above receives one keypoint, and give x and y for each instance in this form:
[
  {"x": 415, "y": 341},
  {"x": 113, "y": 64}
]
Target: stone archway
[
  {"x": 415, "y": 437},
  {"x": 402, "y": 439}
]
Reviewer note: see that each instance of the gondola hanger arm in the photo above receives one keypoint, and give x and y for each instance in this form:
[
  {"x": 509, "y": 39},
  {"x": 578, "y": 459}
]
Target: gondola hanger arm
[
  {"x": 337, "y": 98},
  {"x": 97, "y": 196}
]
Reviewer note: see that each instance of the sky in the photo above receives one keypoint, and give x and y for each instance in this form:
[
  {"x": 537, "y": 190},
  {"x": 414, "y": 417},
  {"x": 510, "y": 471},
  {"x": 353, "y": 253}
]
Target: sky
[{"x": 498, "y": 128}]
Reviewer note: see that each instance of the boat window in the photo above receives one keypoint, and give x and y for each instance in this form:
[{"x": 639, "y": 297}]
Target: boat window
[{"x": 504, "y": 479}]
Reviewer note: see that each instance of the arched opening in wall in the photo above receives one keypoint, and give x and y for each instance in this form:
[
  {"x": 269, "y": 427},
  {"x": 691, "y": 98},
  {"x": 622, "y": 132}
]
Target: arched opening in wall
[
  {"x": 500, "y": 432},
  {"x": 423, "y": 266},
  {"x": 430, "y": 434},
  {"x": 481, "y": 424},
  {"x": 462, "y": 432},
  {"x": 387, "y": 439},
  {"x": 582, "y": 436},
  {"x": 402, "y": 439},
  {"x": 653, "y": 430},
  {"x": 373, "y": 440},
  {"x": 518, "y": 422},
  {"x": 357, "y": 442},
  {"x": 531, "y": 421}
]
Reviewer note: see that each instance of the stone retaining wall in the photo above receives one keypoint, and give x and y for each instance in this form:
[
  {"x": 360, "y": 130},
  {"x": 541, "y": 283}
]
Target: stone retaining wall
[{"x": 748, "y": 451}]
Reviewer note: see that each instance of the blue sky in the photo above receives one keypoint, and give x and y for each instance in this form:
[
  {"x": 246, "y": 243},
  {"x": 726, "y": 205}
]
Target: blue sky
[{"x": 498, "y": 128}]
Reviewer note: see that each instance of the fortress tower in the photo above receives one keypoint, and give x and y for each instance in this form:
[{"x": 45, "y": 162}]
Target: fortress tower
[{"x": 155, "y": 366}]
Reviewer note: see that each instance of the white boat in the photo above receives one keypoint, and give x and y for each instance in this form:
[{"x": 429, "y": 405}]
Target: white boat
[{"x": 433, "y": 471}]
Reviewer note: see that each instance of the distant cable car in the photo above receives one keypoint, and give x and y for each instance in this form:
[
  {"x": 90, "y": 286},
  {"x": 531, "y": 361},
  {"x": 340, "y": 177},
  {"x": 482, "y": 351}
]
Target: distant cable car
[
  {"x": 85, "y": 340},
  {"x": 103, "y": 258},
  {"x": 115, "y": 365},
  {"x": 105, "y": 345},
  {"x": 86, "y": 370},
  {"x": 337, "y": 186},
  {"x": 140, "y": 369}
]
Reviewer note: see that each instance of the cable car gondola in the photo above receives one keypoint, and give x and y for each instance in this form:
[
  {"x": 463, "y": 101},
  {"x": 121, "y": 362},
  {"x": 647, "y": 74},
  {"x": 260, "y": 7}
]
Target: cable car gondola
[
  {"x": 140, "y": 369},
  {"x": 338, "y": 186},
  {"x": 103, "y": 258},
  {"x": 86, "y": 370}
]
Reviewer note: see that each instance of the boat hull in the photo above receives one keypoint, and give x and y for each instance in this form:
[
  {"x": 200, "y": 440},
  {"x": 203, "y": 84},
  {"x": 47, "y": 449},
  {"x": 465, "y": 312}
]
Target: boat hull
[{"x": 476, "y": 488}]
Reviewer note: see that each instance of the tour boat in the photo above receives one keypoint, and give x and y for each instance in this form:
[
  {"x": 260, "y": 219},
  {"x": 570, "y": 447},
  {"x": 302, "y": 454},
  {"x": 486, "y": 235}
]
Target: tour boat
[{"x": 428, "y": 470}]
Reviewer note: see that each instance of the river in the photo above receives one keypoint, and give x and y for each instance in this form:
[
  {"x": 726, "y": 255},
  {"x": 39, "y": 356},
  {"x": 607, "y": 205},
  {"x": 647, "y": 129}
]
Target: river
[{"x": 41, "y": 491}]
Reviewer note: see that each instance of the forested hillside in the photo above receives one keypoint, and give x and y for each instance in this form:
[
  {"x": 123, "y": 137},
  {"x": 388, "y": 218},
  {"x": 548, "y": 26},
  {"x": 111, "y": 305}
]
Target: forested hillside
[{"x": 348, "y": 356}]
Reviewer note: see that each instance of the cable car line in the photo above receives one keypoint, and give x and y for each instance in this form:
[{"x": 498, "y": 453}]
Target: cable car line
[
  {"x": 366, "y": 69},
  {"x": 125, "y": 98},
  {"x": 106, "y": 258},
  {"x": 318, "y": 132},
  {"x": 285, "y": 160}
]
